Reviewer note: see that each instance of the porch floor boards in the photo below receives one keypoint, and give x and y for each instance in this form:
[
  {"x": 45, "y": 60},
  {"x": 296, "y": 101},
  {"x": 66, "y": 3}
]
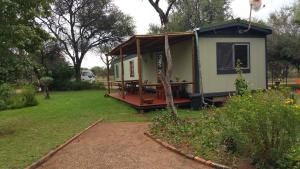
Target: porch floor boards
[{"x": 134, "y": 100}]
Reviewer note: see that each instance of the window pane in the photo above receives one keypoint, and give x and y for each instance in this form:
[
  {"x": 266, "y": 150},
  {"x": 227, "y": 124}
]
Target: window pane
[
  {"x": 241, "y": 53},
  {"x": 224, "y": 56}
]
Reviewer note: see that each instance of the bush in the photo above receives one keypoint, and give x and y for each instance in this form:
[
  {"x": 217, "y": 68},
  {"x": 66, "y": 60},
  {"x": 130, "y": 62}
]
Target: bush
[
  {"x": 6, "y": 93},
  {"x": 269, "y": 124},
  {"x": 62, "y": 75},
  {"x": 46, "y": 82},
  {"x": 81, "y": 85},
  {"x": 240, "y": 82},
  {"x": 199, "y": 137},
  {"x": 10, "y": 99},
  {"x": 3, "y": 105},
  {"x": 263, "y": 126},
  {"x": 28, "y": 96},
  {"x": 84, "y": 85}
]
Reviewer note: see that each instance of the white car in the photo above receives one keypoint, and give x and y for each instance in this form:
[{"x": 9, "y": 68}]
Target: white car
[{"x": 88, "y": 75}]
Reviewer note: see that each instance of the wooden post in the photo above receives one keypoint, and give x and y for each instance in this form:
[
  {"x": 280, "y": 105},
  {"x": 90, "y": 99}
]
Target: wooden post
[
  {"x": 138, "y": 51},
  {"x": 108, "y": 79},
  {"x": 193, "y": 63},
  {"x": 122, "y": 73}
]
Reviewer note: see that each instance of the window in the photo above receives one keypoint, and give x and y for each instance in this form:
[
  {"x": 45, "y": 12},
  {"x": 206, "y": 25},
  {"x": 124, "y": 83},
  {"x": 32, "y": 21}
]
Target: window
[
  {"x": 117, "y": 71},
  {"x": 131, "y": 64},
  {"x": 229, "y": 53}
]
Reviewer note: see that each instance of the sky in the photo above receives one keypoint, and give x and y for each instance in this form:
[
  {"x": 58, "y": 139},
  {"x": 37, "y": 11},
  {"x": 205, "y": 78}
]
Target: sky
[{"x": 144, "y": 14}]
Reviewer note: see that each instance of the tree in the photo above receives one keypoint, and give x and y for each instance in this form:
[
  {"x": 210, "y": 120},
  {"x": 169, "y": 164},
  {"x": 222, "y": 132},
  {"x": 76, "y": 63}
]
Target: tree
[
  {"x": 99, "y": 71},
  {"x": 166, "y": 76},
  {"x": 55, "y": 65},
  {"x": 297, "y": 12},
  {"x": 82, "y": 25},
  {"x": 107, "y": 59},
  {"x": 21, "y": 37},
  {"x": 190, "y": 14},
  {"x": 283, "y": 43}
]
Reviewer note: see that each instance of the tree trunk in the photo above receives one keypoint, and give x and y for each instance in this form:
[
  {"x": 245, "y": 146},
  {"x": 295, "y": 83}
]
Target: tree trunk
[
  {"x": 107, "y": 67},
  {"x": 77, "y": 72},
  {"x": 286, "y": 74},
  {"x": 46, "y": 92},
  {"x": 167, "y": 77}
]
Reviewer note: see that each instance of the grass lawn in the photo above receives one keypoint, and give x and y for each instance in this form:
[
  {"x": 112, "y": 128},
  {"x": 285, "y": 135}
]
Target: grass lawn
[{"x": 27, "y": 134}]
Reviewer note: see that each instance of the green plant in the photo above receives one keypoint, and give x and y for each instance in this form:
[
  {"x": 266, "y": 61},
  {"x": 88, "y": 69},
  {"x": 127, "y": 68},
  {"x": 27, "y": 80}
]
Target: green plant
[
  {"x": 3, "y": 105},
  {"x": 46, "y": 82},
  {"x": 240, "y": 82},
  {"x": 10, "y": 99},
  {"x": 84, "y": 85},
  {"x": 201, "y": 137},
  {"x": 233, "y": 140},
  {"x": 291, "y": 159},
  {"x": 28, "y": 96},
  {"x": 270, "y": 126},
  {"x": 6, "y": 93},
  {"x": 62, "y": 75}
]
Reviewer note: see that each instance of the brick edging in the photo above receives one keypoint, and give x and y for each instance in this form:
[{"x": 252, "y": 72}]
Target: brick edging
[
  {"x": 53, "y": 152},
  {"x": 190, "y": 156}
]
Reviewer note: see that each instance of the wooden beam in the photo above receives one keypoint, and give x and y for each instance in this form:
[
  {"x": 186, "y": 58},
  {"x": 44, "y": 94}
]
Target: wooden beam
[
  {"x": 122, "y": 73},
  {"x": 193, "y": 63},
  {"x": 108, "y": 79},
  {"x": 138, "y": 49}
]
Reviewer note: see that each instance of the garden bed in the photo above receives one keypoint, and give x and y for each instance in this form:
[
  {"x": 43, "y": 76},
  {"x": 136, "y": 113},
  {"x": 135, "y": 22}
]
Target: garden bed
[{"x": 259, "y": 129}]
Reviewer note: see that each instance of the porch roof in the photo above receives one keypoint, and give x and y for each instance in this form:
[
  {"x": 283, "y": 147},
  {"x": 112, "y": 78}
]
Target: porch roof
[{"x": 149, "y": 42}]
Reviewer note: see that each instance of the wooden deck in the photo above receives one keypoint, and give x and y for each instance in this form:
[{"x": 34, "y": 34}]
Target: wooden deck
[{"x": 134, "y": 100}]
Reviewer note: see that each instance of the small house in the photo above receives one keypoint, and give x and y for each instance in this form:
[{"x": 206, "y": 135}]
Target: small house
[{"x": 204, "y": 64}]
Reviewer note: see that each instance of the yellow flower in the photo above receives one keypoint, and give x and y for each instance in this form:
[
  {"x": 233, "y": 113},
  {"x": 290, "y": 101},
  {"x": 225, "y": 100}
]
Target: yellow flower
[{"x": 289, "y": 101}]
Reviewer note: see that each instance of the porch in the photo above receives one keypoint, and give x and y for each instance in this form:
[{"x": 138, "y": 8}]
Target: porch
[
  {"x": 134, "y": 100},
  {"x": 139, "y": 63}
]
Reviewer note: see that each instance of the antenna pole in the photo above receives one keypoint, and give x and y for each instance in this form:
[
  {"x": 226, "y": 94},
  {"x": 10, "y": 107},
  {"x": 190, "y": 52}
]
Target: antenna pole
[{"x": 250, "y": 18}]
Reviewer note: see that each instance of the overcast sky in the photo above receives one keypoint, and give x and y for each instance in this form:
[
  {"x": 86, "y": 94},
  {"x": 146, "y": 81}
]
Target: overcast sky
[{"x": 144, "y": 14}]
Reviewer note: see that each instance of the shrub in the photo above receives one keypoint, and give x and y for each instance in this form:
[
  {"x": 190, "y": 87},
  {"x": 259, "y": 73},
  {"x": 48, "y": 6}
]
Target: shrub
[
  {"x": 270, "y": 126},
  {"x": 6, "y": 93},
  {"x": 10, "y": 99},
  {"x": 240, "y": 82},
  {"x": 28, "y": 96},
  {"x": 84, "y": 85},
  {"x": 3, "y": 105},
  {"x": 46, "y": 82},
  {"x": 200, "y": 137},
  {"x": 62, "y": 75},
  {"x": 291, "y": 159},
  {"x": 80, "y": 85}
]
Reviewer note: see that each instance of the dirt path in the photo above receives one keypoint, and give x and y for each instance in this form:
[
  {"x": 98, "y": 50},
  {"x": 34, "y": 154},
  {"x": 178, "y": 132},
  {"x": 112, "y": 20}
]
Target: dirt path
[{"x": 117, "y": 146}]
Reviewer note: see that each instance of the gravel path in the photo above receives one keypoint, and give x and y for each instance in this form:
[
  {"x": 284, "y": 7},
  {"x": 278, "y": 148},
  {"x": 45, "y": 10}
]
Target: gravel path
[{"x": 117, "y": 146}]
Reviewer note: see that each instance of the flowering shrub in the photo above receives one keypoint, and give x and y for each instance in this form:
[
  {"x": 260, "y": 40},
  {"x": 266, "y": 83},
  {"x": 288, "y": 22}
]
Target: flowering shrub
[
  {"x": 262, "y": 125},
  {"x": 270, "y": 123}
]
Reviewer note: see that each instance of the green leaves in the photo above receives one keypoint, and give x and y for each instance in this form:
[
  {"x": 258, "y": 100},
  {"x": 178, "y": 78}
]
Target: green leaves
[
  {"x": 21, "y": 37},
  {"x": 270, "y": 126},
  {"x": 240, "y": 82}
]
